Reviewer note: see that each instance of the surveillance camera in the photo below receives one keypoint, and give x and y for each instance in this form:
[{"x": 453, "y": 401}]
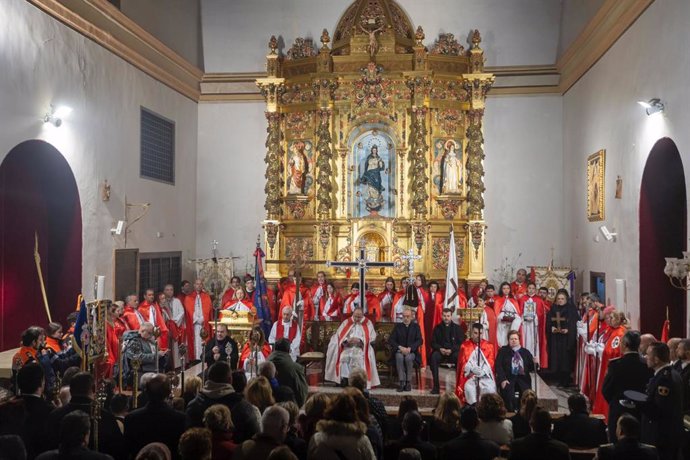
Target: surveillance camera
[
  {"x": 606, "y": 233},
  {"x": 119, "y": 228}
]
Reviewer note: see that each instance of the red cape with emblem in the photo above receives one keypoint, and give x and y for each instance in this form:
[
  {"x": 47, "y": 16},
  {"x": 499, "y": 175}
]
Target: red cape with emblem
[{"x": 464, "y": 356}]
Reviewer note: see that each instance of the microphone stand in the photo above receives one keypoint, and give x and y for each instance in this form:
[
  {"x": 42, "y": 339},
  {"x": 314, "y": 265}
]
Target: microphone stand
[{"x": 183, "y": 353}]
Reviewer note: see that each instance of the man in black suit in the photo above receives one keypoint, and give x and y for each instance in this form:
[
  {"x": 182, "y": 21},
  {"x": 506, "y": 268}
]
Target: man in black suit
[
  {"x": 405, "y": 341},
  {"x": 110, "y": 439},
  {"x": 155, "y": 422},
  {"x": 412, "y": 426},
  {"x": 513, "y": 367},
  {"x": 470, "y": 445},
  {"x": 538, "y": 445},
  {"x": 217, "y": 349},
  {"x": 445, "y": 345},
  {"x": 578, "y": 429},
  {"x": 26, "y": 414},
  {"x": 662, "y": 413},
  {"x": 629, "y": 372},
  {"x": 75, "y": 431},
  {"x": 628, "y": 446},
  {"x": 682, "y": 366}
]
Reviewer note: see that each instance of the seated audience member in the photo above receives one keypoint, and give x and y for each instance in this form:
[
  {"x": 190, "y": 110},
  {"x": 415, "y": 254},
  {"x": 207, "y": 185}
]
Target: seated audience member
[
  {"x": 538, "y": 445},
  {"x": 446, "y": 422},
  {"x": 63, "y": 394},
  {"x": 282, "y": 453},
  {"x": 340, "y": 436},
  {"x": 195, "y": 444},
  {"x": 192, "y": 385},
  {"x": 177, "y": 403},
  {"x": 407, "y": 404},
  {"x": 259, "y": 393},
  {"x": 218, "y": 421},
  {"x": 155, "y": 422},
  {"x": 405, "y": 341},
  {"x": 513, "y": 366},
  {"x": 374, "y": 432},
  {"x": 268, "y": 369},
  {"x": 239, "y": 380},
  {"x": 628, "y": 446},
  {"x": 292, "y": 440},
  {"x": 110, "y": 438},
  {"x": 470, "y": 445},
  {"x": 578, "y": 429},
  {"x": 492, "y": 419},
  {"x": 154, "y": 451},
  {"x": 25, "y": 414},
  {"x": 412, "y": 429},
  {"x": 12, "y": 447},
  {"x": 289, "y": 373},
  {"x": 358, "y": 379},
  {"x": 119, "y": 406},
  {"x": 274, "y": 427},
  {"x": 409, "y": 454},
  {"x": 218, "y": 389},
  {"x": 520, "y": 421},
  {"x": 314, "y": 410},
  {"x": 75, "y": 430}
]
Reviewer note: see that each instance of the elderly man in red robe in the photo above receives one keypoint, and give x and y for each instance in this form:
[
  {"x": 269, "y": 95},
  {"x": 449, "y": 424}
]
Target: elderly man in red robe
[
  {"x": 475, "y": 369},
  {"x": 519, "y": 286},
  {"x": 147, "y": 311},
  {"x": 350, "y": 348},
  {"x": 198, "y": 314},
  {"x": 287, "y": 328}
]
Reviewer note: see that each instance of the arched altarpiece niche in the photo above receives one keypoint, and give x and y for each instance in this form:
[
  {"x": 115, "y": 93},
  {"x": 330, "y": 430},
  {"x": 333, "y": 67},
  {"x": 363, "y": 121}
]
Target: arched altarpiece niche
[{"x": 375, "y": 84}]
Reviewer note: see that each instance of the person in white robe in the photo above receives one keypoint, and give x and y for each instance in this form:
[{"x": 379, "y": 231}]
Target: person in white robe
[
  {"x": 530, "y": 328},
  {"x": 173, "y": 310},
  {"x": 350, "y": 348},
  {"x": 287, "y": 328},
  {"x": 508, "y": 318}
]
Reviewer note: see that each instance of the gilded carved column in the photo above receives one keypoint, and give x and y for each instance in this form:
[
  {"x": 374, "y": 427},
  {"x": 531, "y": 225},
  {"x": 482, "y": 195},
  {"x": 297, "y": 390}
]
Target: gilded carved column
[
  {"x": 324, "y": 170},
  {"x": 419, "y": 201},
  {"x": 274, "y": 167},
  {"x": 475, "y": 166}
]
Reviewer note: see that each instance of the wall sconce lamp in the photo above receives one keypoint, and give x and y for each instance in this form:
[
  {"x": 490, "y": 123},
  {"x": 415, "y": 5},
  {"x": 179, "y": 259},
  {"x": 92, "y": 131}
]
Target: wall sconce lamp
[
  {"x": 608, "y": 234},
  {"x": 652, "y": 106},
  {"x": 56, "y": 115}
]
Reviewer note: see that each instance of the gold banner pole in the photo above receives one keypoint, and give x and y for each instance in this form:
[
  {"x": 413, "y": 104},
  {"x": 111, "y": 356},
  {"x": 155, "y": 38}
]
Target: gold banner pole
[{"x": 37, "y": 258}]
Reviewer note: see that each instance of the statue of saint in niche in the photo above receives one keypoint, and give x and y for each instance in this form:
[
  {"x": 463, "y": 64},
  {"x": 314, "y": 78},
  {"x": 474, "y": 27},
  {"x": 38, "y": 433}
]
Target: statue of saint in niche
[
  {"x": 371, "y": 179},
  {"x": 451, "y": 169},
  {"x": 298, "y": 166}
]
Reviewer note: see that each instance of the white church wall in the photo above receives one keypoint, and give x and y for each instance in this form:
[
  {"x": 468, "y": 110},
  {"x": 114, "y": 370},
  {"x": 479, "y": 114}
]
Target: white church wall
[
  {"x": 600, "y": 111},
  {"x": 521, "y": 32},
  {"x": 523, "y": 179},
  {"x": 46, "y": 62},
  {"x": 524, "y": 186},
  {"x": 575, "y": 15},
  {"x": 177, "y": 23}
]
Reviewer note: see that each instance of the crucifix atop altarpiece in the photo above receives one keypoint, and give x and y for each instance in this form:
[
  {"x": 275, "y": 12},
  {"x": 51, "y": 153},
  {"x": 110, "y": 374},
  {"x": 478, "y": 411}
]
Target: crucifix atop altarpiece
[{"x": 362, "y": 265}]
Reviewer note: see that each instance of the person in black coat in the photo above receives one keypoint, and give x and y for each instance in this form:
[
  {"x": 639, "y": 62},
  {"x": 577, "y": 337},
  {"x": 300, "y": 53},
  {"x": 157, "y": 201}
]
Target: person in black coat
[
  {"x": 629, "y": 372},
  {"x": 110, "y": 438},
  {"x": 628, "y": 446},
  {"x": 155, "y": 422},
  {"x": 445, "y": 345},
  {"x": 412, "y": 426},
  {"x": 218, "y": 389},
  {"x": 217, "y": 348},
  {"x": 682, "y": 366},
  {"x": 405, "y": 341},
  {"x": 75, "y": 430},
  {"x": 662, "y": 412},
  {"x": 469, "y": 445},
  {"x": 538, "y": 445},
  {"x": 561, "y": 335},
  {"x": 513, "y": 367},
  {"x": 578, "y": 429},
  {"x": 26, "y": 414}
]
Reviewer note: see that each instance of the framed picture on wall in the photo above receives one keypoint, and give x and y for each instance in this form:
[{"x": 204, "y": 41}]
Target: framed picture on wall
[{"x": 596, "y": 168}]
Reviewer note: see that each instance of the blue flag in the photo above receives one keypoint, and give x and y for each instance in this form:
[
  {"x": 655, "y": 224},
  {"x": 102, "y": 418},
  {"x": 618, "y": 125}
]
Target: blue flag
[
  {"x": 79, "y": 325},
  {"x": 260, "y": 293}
]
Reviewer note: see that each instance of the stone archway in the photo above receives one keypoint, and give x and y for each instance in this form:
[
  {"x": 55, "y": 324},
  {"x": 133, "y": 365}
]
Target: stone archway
[
  {"x": 38, "y": 196},
  {"x": 663, "y": 233}
]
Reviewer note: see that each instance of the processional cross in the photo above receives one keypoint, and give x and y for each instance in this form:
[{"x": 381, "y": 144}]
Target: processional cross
[
  {"x": 410, "y": 257},
  {"x": 362, "y": 265},
  {"x": 558, "y": 320}
]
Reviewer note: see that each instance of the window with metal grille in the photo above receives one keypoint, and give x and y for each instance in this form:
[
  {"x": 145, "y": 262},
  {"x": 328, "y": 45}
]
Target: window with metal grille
[
  {"x": 156, "y": 269},
  {"x": 157, "y": 147}
]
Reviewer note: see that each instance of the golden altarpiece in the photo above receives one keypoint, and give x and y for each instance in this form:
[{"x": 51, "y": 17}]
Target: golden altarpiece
[{"x": 375, "y": 139}]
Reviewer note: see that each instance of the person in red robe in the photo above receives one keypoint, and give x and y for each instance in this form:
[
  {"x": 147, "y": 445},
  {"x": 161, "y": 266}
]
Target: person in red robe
[
  {"x": 397, "y": 308},
  {"x": 475, "y": 369},
  {"x": 129, "y": 315},
  {"x": 386, "y": 297},
  {"x": 508, "y": 315},
  {"x": 115, "y": 327},
  {"x": 333, "y": 304},
  {"x": 490, "y": 295},
  {"x": 541, "y": 358},
  {"x": 150, "y": 312},
  {"x": 185, "y": 290},
  {"x": 229, "y": 294},
  {"x": 519, "y": 286},
  {"x": 198, "y": 315},
  {"x": 489, "y": 324},
  {"x": 288, "y": 298},
  {"x": 478, "y": 291},
  {"x": 544, "y": 294},
  {"x": 592, "y": 331},
  {"x": 240, "y": 302},
  {"x": 611, "y": 350},
  {"x": 253, "y": 353},
  {"x": 318, "y": 296},
  {"x": 425, "y": 304},
  {"x": 437, "y": 300},
  {"x": 372, "y": 308}
]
